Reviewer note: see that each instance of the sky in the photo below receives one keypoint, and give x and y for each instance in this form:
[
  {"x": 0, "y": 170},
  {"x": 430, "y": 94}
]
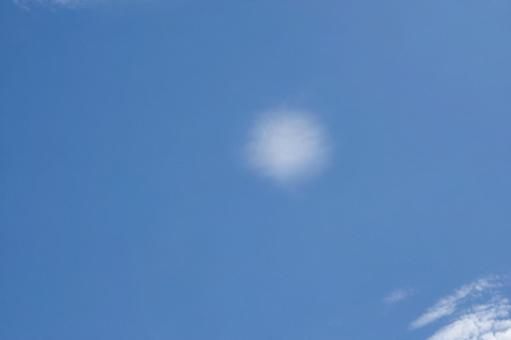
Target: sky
[{"x": 256, "y": 170}]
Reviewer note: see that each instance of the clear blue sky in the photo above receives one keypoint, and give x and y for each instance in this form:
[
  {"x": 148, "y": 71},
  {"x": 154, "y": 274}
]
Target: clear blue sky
[{"x": 127, "y": 210}]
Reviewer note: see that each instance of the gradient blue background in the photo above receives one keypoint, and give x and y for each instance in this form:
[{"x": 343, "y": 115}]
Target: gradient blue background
[{"x": 127, "y": 212}]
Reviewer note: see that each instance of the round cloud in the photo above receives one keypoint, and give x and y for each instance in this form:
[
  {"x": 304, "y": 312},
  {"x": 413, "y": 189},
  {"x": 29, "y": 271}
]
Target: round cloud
[{"x": 288, "y": 146}]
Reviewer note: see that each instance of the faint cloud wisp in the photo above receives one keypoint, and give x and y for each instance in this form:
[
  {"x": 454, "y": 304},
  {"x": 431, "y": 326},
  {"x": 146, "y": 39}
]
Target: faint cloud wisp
[
  {"x": 288, "y": 146},
  {"x": 68, "y": 4},
  {"x": 398, "y": 295},
  {"x": 63, "y": 3}
]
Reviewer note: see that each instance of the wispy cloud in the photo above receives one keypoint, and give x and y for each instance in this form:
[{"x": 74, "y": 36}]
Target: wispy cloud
[
  {"x": 476, "y": 311},
  {"x": 288, "y": 146},
  {"x": 62, "y": 3},
  {"x": 67, "y": 4},
  {"x": 398, "y": 295}
]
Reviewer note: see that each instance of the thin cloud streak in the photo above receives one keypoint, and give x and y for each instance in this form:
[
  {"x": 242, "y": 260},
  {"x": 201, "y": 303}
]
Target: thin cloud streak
[
  {"x": 62, "y": 3},
  {"x": 71, "y": 4}
]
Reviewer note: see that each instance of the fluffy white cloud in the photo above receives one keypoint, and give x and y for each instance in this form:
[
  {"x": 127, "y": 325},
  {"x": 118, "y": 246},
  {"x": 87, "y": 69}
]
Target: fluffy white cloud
[
  {"x": 483, "y": 322},
  {"x": 448, "y": 305},
  {"x": 288, "y": 146},
  {"x": 476, "y": 311},
  {"x": 398, "y": 295}
]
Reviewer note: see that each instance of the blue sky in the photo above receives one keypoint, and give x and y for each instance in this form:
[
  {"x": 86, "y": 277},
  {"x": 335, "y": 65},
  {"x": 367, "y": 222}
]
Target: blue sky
[{"x": 229, "y": 170}]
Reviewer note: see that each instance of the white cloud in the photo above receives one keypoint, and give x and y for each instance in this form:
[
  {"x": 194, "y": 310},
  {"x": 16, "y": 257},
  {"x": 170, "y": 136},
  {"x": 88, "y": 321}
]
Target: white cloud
[
  {"x": 448, "y": 305},
  {"x": 288, "y": 146},
  {"x": 483, "y": 322},
  {"x": 398, "y": 295},
  {"x": 476, "y": 311}
]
